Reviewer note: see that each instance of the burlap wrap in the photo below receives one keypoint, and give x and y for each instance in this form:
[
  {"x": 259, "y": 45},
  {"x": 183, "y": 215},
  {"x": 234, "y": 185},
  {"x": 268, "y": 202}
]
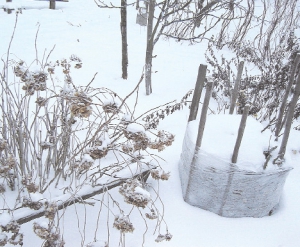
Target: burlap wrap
[{"x": 224, "y": 189}]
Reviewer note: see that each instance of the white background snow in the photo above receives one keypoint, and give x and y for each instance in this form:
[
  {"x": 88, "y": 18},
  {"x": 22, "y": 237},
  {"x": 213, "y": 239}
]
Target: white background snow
[{"x": 93, "y": 34}]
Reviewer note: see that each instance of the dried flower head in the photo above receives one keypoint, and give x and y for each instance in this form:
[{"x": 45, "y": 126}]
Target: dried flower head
[
  {"x": 32, "y": 187},
  {"x": 35, "y": 205},
  {"x": 3, "y": 144},
  {"x": 97, "y": 153},
  {"x": 110, "y": 107},
  {"x": 12, "y": 227},
  {"x": 127, "y": 148},
  {"x": 3, "y": 239},
  {"x": 45, "y": 145},
  {"x": 20, "y": 69},
  {"x": 41, "y": 101},
  {"x": 134, "y": 194},
  {"x": 161, "y": 237},
  {"x": 140, "y": 140},
  {"x": 80, "y": 104},
  {"x": 123, "y": 224},
  {"x": 16, "y": 239},
  {"x": 2, "y": 188},
  {"x": 163, "y": 139},
  {"x": 50, "y": 210},
  {"x": 159, "y": 174},
  {"x": 152, "y": 215},
  {"x": 48, "y": 233}
]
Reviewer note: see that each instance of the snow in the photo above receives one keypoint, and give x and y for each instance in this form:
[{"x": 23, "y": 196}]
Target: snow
[
  {"x": 134, "y": 128},
  {"x": 93, "y": 34},
  {"x": 5, "y": 218},
  {"x": 142, "y": 192},
  {"x": 220, "y": 135}
]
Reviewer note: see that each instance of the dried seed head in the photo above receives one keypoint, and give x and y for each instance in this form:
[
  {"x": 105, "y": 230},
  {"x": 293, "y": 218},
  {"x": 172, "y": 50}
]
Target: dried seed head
[
  {"x": 2, "y": 190},
  {"x": 40, "y": 78},
  {"x": 16, "y": 239},
  {"x": 50, "y": 210},
  {"x": 41, "y": 101},
  {"x": 3, "y": 239},
  {"x": 3, "y": 144},
  {"x": 127, "y": 148},
  {"x": 32, "y": 187},
  {"x": 41, "y": 231},
  {"x": 152, "y": 215},
  {"x": 165, "y": 176},
  {"x": 164, "y": 139},
  {"x": 27, "y": 202},
  {"x": 12, "y": 227},
  {"x": 51, "y": 69},
  {"x": 98, "y": 153},
  {"x": 123, "y": 224},
  {"x": 134, "y": 194},
  {"x": 161, "y": 237},
  {"x": 159, "y": 174},
  {"x": 81, "y": 111},
  {"x": 46, "y": 145},
  {"x": 140, "y": 140},
  {"x": 11, "y": 161},
  {"x": 110, "y": 107}
]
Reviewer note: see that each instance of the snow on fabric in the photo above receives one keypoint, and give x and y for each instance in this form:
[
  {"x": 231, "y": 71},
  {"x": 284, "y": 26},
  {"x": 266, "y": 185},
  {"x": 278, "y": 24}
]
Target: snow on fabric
[{"x": 230, "y": 190}]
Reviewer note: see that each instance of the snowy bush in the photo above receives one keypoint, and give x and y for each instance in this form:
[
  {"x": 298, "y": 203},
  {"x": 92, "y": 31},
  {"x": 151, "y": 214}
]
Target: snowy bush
[{"x": 72, "y": 141}]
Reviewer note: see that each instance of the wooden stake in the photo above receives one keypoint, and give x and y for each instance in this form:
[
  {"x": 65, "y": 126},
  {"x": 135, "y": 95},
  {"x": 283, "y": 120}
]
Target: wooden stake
[
  {"x": 289, "y": 120},
  {"x": 279, "y": 122},
  {"x": 240, "y": 134},
  {"x": 197, "y": 92},
  {"x": 235, "y": 91},
  {"x": 208, "y": 92},
  {"x": 52, "y": 4}
]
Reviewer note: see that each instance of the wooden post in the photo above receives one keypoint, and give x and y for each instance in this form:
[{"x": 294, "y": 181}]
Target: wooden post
[
  {"x": 202, "y": 122},
  {"x": 235, "y": 91},
  {"x": 123, "y": 25},
  {"x": 197, "y": 92},
  {"x": 240, "y": 134},
  {"x": 288, "y": 124},
  {"x": 149, "y": 49},
  {"x": 279, "y": 122},
  {"x": 52, "y": 4},
  {"x": 8, "y": 10}
]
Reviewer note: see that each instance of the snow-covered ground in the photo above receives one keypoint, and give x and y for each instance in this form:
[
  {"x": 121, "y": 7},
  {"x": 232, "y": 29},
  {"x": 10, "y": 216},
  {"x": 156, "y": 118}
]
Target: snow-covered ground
[{"x": 93, "y": 34}]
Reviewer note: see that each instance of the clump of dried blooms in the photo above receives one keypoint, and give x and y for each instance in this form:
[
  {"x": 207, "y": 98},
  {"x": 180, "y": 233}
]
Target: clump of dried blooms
[
  {"x": 80, "y": 105},
  {"x": 110, "y": 107},
  {"x": 134, "y": 194},
  {"x": 159, "y": 174},
  {"x": 27, "y": 202},
  {"x": 163, "y": 139},
  {"x": 152, "y": 215},
  {"x": 3, "y": 145},
  {"x": 97, "y": 153},
  {"x": 50, "y": 210},
  {"x": 48, "y": 233},
  {"x": 140, "y": 140},
  {"x": 123, "y": 224},
  {"x": 161, "y": 237}
]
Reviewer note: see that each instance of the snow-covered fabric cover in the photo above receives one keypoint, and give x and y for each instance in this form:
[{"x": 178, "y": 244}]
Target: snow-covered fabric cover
[{"x": 226, "y": 189}]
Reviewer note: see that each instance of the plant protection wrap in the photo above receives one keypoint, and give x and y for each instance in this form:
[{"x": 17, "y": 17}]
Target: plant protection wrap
[{"x": 222, "y": 188}]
